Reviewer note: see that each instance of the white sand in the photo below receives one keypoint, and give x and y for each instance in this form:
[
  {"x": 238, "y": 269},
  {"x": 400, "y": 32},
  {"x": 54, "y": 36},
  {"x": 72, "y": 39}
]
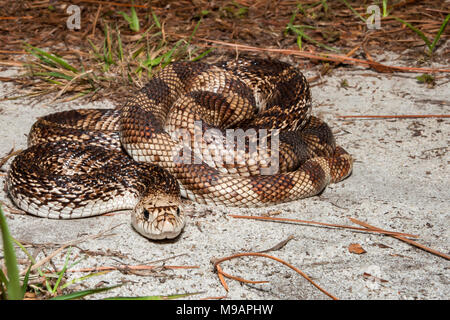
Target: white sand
[{"x": 400, "y": 182}]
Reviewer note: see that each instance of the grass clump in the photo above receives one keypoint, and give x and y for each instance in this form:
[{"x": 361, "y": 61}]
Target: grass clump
[
  {"x": 14, "y": 287},
  {"x": 299, "y": 30},
  {"x": 44, "y": 284},
  {"x": 115, "y": 62},
  {"x": 132, "y": 19},
  {"x": 10, "y": 286},
  {"x": 430, "y": 44}
]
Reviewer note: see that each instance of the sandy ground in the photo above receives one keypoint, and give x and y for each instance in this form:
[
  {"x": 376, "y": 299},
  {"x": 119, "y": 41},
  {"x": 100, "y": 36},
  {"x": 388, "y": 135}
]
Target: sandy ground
[{"x": 400, "y": 182}]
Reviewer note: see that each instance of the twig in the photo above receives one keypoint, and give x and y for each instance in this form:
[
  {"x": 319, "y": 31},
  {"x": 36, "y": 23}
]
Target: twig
[
  {"x": 216, "y": 263},
  {"x": 67, "y": 244},
  {"x": 279, "y": 245},
  {"x": 12, "y": 63},
  {"x": 16, "y": 18},
  {"x": 94, "y": 24},
  {"x": 128, "y": 267},
  {"x": 324, "y": 224},
  {"x": 418, "y": 245},
  {"x": 221, "y": 278},
  {"x": 169, "y": 258},
  {"x": 69, "y": 83},
  {"x": 13, "y": 52},
  {"x": 10, "y": 154},
  {"x": 240, "y": 279},
  {"x": 327, "y": 57}
]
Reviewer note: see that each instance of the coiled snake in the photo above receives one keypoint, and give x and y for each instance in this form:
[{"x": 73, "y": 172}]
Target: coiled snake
[{"x": 91, "y": 161}]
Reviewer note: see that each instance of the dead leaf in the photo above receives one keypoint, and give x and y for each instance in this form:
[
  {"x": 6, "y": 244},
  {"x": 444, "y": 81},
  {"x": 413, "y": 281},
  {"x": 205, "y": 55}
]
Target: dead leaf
[{"x": 356, "y": 248}]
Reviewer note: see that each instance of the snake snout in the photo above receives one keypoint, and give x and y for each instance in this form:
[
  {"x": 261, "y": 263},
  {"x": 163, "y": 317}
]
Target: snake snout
[{"x": 156, "y": 223}]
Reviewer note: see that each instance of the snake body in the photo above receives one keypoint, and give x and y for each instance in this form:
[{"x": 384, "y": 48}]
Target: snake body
[{"x": 87, "y": 162}]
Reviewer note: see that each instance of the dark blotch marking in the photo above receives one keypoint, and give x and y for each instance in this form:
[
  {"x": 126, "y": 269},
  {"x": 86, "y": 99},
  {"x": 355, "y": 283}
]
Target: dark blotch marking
[
  {"x": 185, "y": 70},
  {"x": 316, "y": 173},
  {"x": 157, "y": 90},
  {"x": 271, "y": 188},
  {"x": 296, "y": 144}
]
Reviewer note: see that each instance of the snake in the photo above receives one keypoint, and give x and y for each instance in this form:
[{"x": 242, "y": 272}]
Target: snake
[{"x": 169, "y": 141}]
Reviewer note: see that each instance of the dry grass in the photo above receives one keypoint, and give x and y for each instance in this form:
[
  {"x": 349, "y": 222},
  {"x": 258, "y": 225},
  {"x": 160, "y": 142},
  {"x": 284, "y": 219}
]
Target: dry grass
[{"x": 112, "y": 60}]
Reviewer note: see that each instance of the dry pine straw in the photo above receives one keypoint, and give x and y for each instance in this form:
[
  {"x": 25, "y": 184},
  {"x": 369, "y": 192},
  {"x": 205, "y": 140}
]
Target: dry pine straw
[
  {"x": 255, "y": 26},
  {"x": 367, "y": 228}
]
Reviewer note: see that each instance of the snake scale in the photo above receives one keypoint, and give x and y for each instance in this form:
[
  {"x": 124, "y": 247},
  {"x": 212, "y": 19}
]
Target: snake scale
[{"x": 88, "y": 162}]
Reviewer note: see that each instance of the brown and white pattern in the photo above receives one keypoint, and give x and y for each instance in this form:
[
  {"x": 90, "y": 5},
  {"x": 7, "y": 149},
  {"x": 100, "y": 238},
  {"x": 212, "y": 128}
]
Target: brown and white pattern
[{"x": 88, "y": 162}]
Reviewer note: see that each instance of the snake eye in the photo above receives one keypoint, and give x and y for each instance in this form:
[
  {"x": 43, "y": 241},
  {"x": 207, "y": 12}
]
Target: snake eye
[
  {"x": 146, "y": 214},
  {"x": 178, "y": 211}
]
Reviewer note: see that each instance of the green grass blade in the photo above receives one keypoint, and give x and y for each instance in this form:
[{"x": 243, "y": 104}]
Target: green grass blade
[
  {"x": 134, "y": 25},
  {"x": 120, "y": 46},
  {"x": 96, "y": 51},
  {"x": 438, "y": 35},
  {"x": 24, "y": 251},
  {"x": 107, "y": 51},
  {"x": 133, "y": 20},
  {"x": 153, "y": 62},
  {"x": 292, "y": 19},
  {"x": 138, "y": 52},
  {"x": 13, "y": 287},
  {"x": 54, "y": 82},
  {"x": 168, "y": 55},
  {"x": 201, "y": 55},
  {"x": 353, "y": 10},
  {"x": 125, "y": 16},
  {"x": 61, "y": 273},
  {"x": 42, "y": 58},
  {"x": 68, "y": 283},
  {"x": 194, "y": 31},
  {"x": 299, "y": 32},
  {"x": 185, "y": 47},
  {"x": 63, "y": 63},
  {"x": 155, "y": 18},
  {"x": 417, "y": 31},
  {"x": 3, "y": 283},
  {"x": 25, "y": 281},
  {"x": 3, "y": 278},
  {"x": 33, "y": 261},
  {"x": 299, "y": 42},
  {"x": 325, "y": 6},
  {"x": 385, "y": 12},
  {"x": 83, "y": 293},
  {"x": 53, "y": 74}
]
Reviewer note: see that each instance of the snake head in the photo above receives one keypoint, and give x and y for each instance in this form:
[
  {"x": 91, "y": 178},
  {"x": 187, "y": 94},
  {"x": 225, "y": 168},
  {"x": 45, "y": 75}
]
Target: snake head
[{"x": 159, "y": 217}]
